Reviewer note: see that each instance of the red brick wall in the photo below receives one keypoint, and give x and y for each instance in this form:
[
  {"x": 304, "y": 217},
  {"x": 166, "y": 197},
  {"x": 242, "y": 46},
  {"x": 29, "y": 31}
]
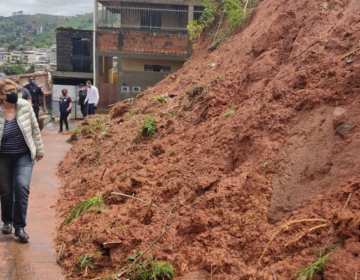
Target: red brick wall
[{"x": 143, "y": 41}]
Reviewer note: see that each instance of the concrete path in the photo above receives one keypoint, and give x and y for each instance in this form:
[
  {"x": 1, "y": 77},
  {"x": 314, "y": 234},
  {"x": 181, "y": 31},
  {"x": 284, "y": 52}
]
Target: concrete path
[{"x": 36, "y": 260}]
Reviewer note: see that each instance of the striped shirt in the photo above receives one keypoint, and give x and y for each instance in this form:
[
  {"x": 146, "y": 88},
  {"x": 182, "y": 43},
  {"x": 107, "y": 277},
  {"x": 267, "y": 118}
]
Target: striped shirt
[{"x": 13, "y": 141}]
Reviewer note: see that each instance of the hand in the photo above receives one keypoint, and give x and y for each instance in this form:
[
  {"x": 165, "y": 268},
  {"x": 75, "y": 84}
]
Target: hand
[
  {"x": 68, "y": 109},
  {"x": 43, "y": 109},
  {"x": 39, "y": 158},
  {"x": 95, "y": 105}
]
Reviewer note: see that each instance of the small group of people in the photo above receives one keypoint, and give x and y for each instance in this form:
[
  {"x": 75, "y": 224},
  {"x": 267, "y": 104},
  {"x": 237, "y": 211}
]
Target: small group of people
[
  {"x": 88, "y": 100},
  {"x": 20, "y": 146}
]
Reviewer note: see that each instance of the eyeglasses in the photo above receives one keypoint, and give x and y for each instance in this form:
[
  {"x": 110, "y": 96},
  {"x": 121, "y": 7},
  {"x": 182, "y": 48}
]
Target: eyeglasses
[{"x": 10, "y": 90}]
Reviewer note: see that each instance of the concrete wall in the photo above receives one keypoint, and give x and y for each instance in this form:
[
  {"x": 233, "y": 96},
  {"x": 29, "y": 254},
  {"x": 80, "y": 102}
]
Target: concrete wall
[
  {"x": 137, "y": 79},
  {"x": 144, "y": 41},
  {"x": 64, "y": 47},
  {"x": 133, "y": 64}
]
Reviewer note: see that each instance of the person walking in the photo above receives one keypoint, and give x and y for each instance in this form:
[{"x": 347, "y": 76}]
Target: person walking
[
  {"x": 65, "y": 104},
  {"x": 23, "y": 92},
  {"x": 20, "y": 146},
  {"x": 92, "y": 98},
  {"x": 38, "y": 97},
  {"x": 82, "y": 97}
]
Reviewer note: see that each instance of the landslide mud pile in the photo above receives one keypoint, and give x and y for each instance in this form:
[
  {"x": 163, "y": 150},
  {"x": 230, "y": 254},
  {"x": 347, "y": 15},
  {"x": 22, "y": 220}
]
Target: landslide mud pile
[{"x": 289, "y": 152}]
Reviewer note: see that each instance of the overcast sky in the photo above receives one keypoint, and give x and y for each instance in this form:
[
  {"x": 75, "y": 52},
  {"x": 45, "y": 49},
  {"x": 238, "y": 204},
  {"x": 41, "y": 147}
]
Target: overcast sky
[{"x": 52, "y": 7}]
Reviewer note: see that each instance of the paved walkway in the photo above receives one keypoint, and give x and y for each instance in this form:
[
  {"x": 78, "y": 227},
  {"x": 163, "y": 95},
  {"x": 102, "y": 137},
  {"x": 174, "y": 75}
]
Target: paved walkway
[{"x": 36, "y": 260}]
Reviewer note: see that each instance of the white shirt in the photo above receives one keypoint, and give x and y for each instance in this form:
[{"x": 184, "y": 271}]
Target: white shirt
[{"x": 92, "y": 95}]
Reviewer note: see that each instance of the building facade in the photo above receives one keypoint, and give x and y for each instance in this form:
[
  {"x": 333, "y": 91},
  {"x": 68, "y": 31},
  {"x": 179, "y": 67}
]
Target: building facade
[{"x": 149, "y": 40}]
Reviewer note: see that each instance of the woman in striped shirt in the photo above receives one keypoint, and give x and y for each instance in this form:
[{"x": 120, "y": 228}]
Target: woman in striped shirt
[{"x": 20, "y": 146}]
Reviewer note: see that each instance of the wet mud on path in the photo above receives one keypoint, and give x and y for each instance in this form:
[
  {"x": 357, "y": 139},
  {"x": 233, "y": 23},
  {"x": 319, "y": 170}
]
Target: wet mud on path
[{"x": 36, "y": 260}]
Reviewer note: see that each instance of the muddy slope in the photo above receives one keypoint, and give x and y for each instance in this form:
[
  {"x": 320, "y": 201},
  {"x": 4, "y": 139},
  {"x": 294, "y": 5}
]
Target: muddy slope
[{"x": 290, "y": 152}]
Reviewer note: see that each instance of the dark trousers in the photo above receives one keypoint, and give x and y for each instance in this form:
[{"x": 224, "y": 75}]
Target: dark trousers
[
  {"x": 64, "y": 119},
  {"x": 36, "y": 109},
  {"x": 15, "y": 174},
  {"x": 91, "y": 109},
  {"x": 83, "y": 110}
]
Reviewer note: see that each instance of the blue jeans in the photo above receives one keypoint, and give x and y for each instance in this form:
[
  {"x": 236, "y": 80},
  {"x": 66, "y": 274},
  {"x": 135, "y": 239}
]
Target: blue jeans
[
  {"x": 15, "y": 174},
  {"x": 91, "y": 109}
]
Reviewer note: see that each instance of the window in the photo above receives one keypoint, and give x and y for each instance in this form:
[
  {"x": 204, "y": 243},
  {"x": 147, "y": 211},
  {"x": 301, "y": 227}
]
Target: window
[
  {"x": 157, "y": 68},
  {"x": 150, "y": 19},
  {"x": 81, "y": 57},
  {"x": 125, "y": 89},
  {"x": 136, "y": 89}
]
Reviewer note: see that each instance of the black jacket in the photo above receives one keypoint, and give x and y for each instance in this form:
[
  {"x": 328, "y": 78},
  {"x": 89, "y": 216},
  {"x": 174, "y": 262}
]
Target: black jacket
[
  {"x": 35, "y": 92},
  {"x": 82, "y": 96}
]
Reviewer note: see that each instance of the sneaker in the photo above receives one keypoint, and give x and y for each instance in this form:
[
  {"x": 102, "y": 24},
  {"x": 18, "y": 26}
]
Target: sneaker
[
  {"x": 22, "y": 235},
  {"x": 67, "y": 129},
  {"x": 7, "y": 228},
  {"x": 60, "y": 131}
]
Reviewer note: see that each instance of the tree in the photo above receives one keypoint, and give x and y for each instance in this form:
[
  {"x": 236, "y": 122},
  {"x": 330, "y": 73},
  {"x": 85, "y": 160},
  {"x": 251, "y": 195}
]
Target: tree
[
  {"x": 12, "y": 69},
  {"x": 31, "y": 69},
  {"x": 11, "y": 48}
]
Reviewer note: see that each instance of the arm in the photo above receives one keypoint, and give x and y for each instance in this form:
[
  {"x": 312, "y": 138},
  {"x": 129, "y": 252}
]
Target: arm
[
  {"x": 70, "y": 105},
  {"x": 86, "y": 99},
  {"x": 97, "y": 96},
  {"x": 36, "y": 135},
  {"x": 42, "y": 98},
  {"x": 27, "y": 95}
]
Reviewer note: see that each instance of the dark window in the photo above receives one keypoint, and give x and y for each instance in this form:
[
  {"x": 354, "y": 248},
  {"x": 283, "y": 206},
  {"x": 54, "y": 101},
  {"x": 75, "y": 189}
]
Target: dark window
[
  {"x": 157, "y": 68},
  {"x": 81, "y": 57},
  {"x": 150, "y": 19}
]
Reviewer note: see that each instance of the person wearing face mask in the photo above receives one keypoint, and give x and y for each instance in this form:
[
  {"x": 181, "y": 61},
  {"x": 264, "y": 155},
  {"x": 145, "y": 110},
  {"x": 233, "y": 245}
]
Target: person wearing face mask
[
  {"x": 82, "y": 97},
  {"x": 23, "y": 92},
  {"x": 38, "y": 97},
  {"x": 65, "y": 104},
  {"x": 20, "y": 146}
]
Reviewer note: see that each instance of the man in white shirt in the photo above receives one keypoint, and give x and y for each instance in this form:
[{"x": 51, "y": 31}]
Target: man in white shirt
[{"x": 92, "y": 98}]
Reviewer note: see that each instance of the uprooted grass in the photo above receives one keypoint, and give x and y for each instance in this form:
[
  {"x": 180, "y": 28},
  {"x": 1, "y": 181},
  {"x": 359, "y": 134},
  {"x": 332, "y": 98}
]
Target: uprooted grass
[
  {"x": 162, "y": 99},
  {"x": 86, "y": 205},
  {"x": 90, "y": 127},
  {"x": 147, "y": 130},
  {"x": 152, "y": 270},
  {"x": 317, "y": 266}
]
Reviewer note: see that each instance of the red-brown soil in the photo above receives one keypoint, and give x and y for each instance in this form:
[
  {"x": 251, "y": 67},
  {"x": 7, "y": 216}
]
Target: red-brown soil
[{"x": 291, "y": 151}]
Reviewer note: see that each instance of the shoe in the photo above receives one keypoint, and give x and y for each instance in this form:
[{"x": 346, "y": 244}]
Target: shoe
[
  {"x": 67, "y": 129},
  {"x": 22, "y": 235},
  {"x": 7, "y": 229},
  {"x": 60, "y": 131}
]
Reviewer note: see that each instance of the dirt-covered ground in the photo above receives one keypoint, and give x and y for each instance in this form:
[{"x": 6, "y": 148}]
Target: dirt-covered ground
[{"x": 291, "y": 151}]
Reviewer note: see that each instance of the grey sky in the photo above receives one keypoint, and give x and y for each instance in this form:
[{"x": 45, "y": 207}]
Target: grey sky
[{"x": 52, "y": 7}]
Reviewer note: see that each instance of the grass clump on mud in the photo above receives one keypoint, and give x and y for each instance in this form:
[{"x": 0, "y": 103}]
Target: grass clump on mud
[
  {"x": 162, "y": 99},
  {"x": 84, "y": 207},
  {"x": 90, "y": 128},
  {"x": 147, "y": 130},
  {"x": 152, "y": 270},
  {"x": 317, "y": 266},
  {"x": 231, "y": 112}
]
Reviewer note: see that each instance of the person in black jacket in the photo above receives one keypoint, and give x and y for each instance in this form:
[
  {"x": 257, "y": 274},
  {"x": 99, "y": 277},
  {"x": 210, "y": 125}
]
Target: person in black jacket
[
  {"x": 82, "y": 97},
  {"x": 36, "y": 94},
  {"x": 65, "y": 104}
]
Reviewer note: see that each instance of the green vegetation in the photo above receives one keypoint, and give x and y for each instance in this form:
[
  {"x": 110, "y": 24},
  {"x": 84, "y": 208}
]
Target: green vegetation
[
  {"x": 230, "y": 112},
  {"x": 21, "y": 31},
  {"x": 161, "y": 99},
  {"x": 85, "y": 261},
  {"x": 317, "y": 266},
  {"x": 12, "y": 69},
  {"x": 84, "y": 207},
  {"x": 147, "y": 130},
  {"x": 152, "y": 270},
  {"x": 225, "y": 15}
]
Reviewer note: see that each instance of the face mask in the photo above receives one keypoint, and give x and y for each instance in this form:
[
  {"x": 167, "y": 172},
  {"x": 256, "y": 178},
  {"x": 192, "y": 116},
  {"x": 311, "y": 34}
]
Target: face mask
[
  {"x": 31, "y": 82},
  {"x": 12, "y": 97},
  {"x": 64, "y": 94}
]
